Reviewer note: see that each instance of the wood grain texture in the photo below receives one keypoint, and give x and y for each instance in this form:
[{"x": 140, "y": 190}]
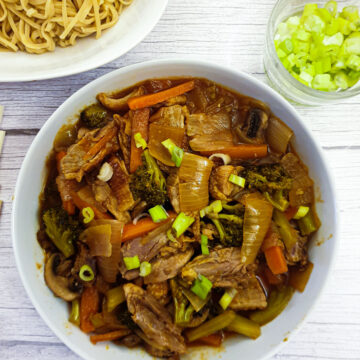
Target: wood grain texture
[{"x": 229, "y": 32}]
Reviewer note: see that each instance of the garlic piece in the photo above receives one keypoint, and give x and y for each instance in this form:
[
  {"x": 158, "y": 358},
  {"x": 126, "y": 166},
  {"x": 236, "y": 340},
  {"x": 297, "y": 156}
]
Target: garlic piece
[{"x": 106, "y": 172}]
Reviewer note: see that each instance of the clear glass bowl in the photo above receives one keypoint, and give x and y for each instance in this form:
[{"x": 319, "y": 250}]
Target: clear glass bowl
[{"x": 280, "y": 79}]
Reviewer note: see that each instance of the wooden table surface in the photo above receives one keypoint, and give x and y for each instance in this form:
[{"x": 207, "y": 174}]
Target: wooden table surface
[{"x": 225, "y": 31}]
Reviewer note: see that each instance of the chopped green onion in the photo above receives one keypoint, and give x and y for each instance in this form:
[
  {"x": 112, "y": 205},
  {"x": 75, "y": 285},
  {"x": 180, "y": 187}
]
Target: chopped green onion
[
  {"x": 302, "y": 211},
  {"x": 353, "y": 62},
  {"x": 175, "y": 152},
  {"x": 140, "y": 142},
  {"x": 237, "y": 180},
  {"x": 214, "y": 207},
  {"x": 201, "y": 287},
  {"x": 114, "y": 297},
  {"x": 132, "y": 262},
  {"x": 88, "y": 214},
  {"x": 170, "y": 235},
  {"x": 204, "y": 245},
  {"x": 145, "y": 268},
  {"x": 182, "y": 223},
  {"x": 308, "y": 224},
  {"x": 227, "y": 298},
  {"x": 75, "y": 312},
  {"x": 158, "y": 214},
  {"x": 86, "y": 273}
]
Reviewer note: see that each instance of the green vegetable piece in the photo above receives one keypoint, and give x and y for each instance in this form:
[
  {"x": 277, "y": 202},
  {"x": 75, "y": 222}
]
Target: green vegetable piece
[
  {"x": 331, "y": 6},
  {"x": 114, "y": 297},
  {"x": 341, "y": 80},
  {"x": 201, "y": 287},
  {"x": 350, "y": 13},
  {"x": 277, "y": 302},
  {"x": 287, "y": 232},
  {"x": 210, "y": 327},
  {"x": 182, "y": 223},
  {"x": 145, "y": 269},
  {"x": 214, "y": 207},
  {"x": 278, "y": 200},
  {"x": 175, "y": 152},
  {"x": 308, "y": 224},
  {"x": 94, "y": 116},
  {"x": 86, "y": 273},
  {"x": 323, "y": 82},
  {"x": 62, "y": 229},
  {"x": 158, "y": 214},
  {"x": 244, "y": 326},
  {"x": 353, "y": 62},
  {"x": 309, "y": 9},
  {"x": 204, "y": 245},
  {"x": 140, "y": 142},
  {"x": 148, "y": 183},
  {"x": 194, "y": 300},
  {"x": 237, "y": 180},
  {"x": 132, "y": 262},
  {"x": 182, "y": 315},
  {"x": 324, "y": 14},
  {"x": 314, "y": 24},
  {"x": 286, "y": 46},
  {"x": 75, "y": 312},
  {"x": 227, "y": 298},
  {"x": 301, "y": 212}
]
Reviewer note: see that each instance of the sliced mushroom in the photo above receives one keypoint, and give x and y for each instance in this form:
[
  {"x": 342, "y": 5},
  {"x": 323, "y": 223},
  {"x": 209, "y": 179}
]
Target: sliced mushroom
[
  {"x": 119, "y": 104},
  {"x": 253, "y": 129},
  {"x": 61, "y": 286}
]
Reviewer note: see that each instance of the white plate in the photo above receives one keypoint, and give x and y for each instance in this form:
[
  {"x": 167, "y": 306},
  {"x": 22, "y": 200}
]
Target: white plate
[
  {"x": 133, "y": 25},
  {"x": 29, "y": 184}
]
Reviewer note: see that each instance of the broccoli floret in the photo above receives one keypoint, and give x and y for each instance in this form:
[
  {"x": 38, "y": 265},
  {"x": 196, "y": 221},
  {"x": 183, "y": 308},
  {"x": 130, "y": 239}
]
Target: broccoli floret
[
  {"x": 268, "y": 177},
  {"x": 62, "y": 229},
  {"x": 94, "y": 116},
  {"x": 230, "y": 229},
  {"x": 148, "y": 183}
]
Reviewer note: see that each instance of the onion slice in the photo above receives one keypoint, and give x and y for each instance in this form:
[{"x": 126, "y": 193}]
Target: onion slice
[{"x": 278, "y": 135}]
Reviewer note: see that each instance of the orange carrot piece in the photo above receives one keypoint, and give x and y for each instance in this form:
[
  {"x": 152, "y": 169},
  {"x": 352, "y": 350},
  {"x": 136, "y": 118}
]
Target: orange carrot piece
[
  {"x": 59, "y": 156},
  {"x": 89, "y": 305},
  {"x": 143, "y": 101},
  {"x": 100, "y": 144},
  {"x": 271, "y": 278},
  {"x": 290, "y": 212},
  {"x": 242, "y": 151},
  {"x": 299, "y": 279},
  {"x": 142, "y": 227},
  {"x": 212, "y": 340},
  {"x": 110, "y": 336},
  {"x": 139, "y": 124},
  {"x": 81, "y": 204},
  {"x": 275, "y": 260}
]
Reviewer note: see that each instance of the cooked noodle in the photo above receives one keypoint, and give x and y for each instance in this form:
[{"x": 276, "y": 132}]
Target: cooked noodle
[{"x": 37, "y": 26}]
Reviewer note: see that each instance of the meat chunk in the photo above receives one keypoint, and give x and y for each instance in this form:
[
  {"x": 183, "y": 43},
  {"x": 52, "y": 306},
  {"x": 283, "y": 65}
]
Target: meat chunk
[
  {"x": 66, "y": 187},
  {"x": 207, "y": 124},
  {"x": 164, "y": 268},
  {"x": 172, "y": 185},
  {"x": 220, "y": 187},
  {"x": 89, "y": 151},
  {"x": 119, "y": 184},
  {"x": 124, "y": 137},
  {"x": 169, "y": 116},
  {"x": 146, "y": 248},
  {"x": 250, "y": 296},
  {"x": 154, "y": 320},
  {"x": 298, "y": 254},
  {"x": 106, "y": 197},
  {"x": 223, "y": 267}
]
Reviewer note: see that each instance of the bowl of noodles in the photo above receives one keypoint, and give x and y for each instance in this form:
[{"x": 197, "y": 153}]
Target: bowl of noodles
[{"x": 43, "y": 39}]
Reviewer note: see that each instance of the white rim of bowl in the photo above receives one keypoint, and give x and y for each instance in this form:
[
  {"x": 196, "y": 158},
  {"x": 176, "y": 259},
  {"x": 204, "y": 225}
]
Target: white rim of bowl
[
  {"x": 170, "y": 62},
  {"x": 90, "y": 66}
]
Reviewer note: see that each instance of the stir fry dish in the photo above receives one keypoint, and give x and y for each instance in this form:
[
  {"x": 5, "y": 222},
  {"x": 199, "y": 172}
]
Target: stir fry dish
[{"x": 175, "y": 213}]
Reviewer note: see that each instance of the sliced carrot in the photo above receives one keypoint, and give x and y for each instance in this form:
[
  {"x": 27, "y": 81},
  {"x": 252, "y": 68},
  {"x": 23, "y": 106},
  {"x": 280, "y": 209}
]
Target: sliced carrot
[
  {"x": 141, "y": 102},
  {"x": 139, "y": 124},
  {"x": 290, "y": 212},
  {"x": 299, "y": 279},
  {"x": 100, "y": 144},
  {"x": 142, "y": 227},
  {"x": 89, "y": 306},
  {"x": 110, "y": 336},
  {"x": 242, "y": 151},
  {"x": 275, "y": 260},
  {"x": 59, "y": 156},
  {"x": 81, "y": 204},
  {"x": 271, "y": 278},
  {"x": 212, "y": 340}
]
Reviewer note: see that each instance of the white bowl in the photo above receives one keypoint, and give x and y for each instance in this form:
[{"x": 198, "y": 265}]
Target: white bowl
[
  {"x": 133, "y": 25},
  {"x": 25, "y": 212}
]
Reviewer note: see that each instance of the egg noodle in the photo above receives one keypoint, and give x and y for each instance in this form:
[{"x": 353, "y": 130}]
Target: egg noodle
[{"x": 37, "y": 26}]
